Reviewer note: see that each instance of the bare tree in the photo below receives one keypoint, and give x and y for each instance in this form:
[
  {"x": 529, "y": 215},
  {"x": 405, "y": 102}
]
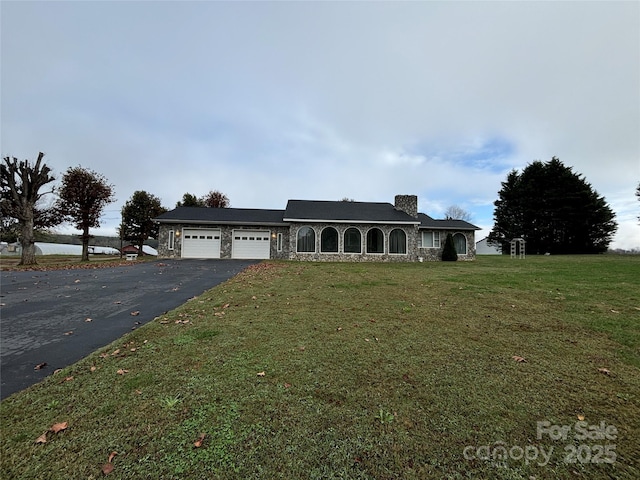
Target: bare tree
[
  {"x": 20, "y": 184},
  {"x": 638, "y": 195},
  {"x": 454, "y": 212}
]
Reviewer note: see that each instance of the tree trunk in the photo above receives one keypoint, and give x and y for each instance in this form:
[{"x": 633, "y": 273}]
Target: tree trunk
[
  {"x": 85, "y": 245},
  {"x": 28, "y": 241},
  {"x": 140, "y": 252}
]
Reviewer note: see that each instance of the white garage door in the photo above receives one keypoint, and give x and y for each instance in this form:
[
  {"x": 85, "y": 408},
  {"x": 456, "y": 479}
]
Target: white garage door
[
  {"x": 200, "y": 243},
  {"x": 251, "y": 244}
]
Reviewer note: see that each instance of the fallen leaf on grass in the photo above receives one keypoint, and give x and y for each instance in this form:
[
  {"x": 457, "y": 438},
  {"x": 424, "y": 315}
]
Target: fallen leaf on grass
[
  {"x": 581, "y": 417},
  {"x": 93, "y": 368},
  {"x": 339, "y": 329},
  {"x": 58, "y": 427},
  {"x": 198, "y": 442},
  {"x": 604, "y": 371},
  {"x": 107, "y": 468},
  {"x": 261, "y": 374},
  {"x": 111, "y": 456},
  {"x": 68, "y": 379},
  {"x": 42, "y": 438},
  {"x": 115, "y": 352},
  {"x": 519, "y": 359},
  {"x": 40, "y": 366},
  {"x": 287, "y": 385},
  {"x": 122, "y": 371}
]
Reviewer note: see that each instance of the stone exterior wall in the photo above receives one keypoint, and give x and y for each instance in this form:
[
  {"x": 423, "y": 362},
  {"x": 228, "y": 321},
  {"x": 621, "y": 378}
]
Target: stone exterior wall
[
  {"x": 411, "y": 233},
  {"x": 435, "y": 254},
  {"x": 407, "y": 204},
  {"x": 288, "y": 246},
  {"x": 226, "y": 239}
]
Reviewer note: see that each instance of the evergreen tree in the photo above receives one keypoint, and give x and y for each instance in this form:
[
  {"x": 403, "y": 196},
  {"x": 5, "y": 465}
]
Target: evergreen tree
[
  {"x": 449, "y": 253},
  {"x": 554, "y": 209},
  {"x": 190, "y": 200}
]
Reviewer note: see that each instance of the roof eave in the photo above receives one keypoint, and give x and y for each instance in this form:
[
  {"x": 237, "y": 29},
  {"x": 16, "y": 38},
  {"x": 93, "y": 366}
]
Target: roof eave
[
  {"x": 227, "y": 222},
  {"x": 359, "y": 222}
]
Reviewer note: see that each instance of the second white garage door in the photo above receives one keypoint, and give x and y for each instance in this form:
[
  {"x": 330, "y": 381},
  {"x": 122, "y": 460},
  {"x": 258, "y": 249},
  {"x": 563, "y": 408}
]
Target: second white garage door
[
  {"x": 200, "y": 243},
  {"x": 251, "y": 244}
]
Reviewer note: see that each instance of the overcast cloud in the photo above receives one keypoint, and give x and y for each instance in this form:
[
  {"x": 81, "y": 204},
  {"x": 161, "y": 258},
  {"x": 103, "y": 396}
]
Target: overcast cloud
[{"x": 273, "y": 101}]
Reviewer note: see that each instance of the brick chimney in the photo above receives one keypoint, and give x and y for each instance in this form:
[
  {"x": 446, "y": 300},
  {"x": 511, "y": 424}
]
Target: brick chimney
[{"x": 407, "y": 204}]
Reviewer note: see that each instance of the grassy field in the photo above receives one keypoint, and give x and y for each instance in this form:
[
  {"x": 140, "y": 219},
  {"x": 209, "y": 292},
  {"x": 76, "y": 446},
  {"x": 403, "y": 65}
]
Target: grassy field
[{"x": 360, "y": 371}]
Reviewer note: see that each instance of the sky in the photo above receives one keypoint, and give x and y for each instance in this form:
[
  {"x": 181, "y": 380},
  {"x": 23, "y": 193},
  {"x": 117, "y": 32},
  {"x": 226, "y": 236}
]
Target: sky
[{"x": 271, "y": 101}]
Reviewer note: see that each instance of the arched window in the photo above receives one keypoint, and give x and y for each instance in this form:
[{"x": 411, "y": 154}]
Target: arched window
[
  {"x": 460, "y": 242},
  {"x": 375, "y": 241},
  {"x": 329, "y": 240},
  {"x": 306, "y": 240},
  {"x": 352, "y": 241},
  {"x": 398, "y": 241}
]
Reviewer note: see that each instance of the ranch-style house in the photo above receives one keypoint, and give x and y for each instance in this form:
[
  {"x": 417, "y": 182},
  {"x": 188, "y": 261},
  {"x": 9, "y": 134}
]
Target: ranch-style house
[{"x": 314, "y": 230}]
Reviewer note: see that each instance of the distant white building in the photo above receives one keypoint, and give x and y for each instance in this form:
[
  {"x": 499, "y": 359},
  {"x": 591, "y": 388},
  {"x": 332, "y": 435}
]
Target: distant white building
[
  {"x": 44, "y": 248},
  {"x": 483, "y": 248}
]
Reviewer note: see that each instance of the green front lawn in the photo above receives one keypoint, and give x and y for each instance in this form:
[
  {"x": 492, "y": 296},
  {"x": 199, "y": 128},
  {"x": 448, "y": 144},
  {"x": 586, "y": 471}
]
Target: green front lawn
[{"x": 379, "y": 371}]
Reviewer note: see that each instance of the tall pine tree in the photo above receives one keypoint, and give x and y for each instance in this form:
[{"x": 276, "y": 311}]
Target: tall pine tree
[{"x": 554, "y": 209}]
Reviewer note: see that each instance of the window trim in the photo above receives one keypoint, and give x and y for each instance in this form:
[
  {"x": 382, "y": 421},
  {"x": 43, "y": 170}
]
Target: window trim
[
  {"x": 367, "y": 241},
  {"x": 337, "y": 237},
  {"x": 279, "y": 242},
  {"x": 406, "y": 242},
  {"x": 315, "y": 246},
  {"x": 435, "y": 239},
  {"x": 344, "y": 241},
  {"x": 466, "y": 248},
  {"x": 172, "y": 240}
]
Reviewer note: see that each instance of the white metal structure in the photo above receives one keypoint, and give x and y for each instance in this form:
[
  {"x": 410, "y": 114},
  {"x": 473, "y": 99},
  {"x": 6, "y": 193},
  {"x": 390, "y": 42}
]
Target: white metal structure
[
  {"x": 254, "y": 244},
  {"x": 200, "y": 243},
  {"x": 517, "y": 248}
]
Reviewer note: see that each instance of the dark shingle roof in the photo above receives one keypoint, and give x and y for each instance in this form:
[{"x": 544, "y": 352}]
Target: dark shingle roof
[
  {"x": 225, "y": 216},
  {"x": 429, "y": 223},
  {"x": 354, "y": 212},
  {"x": 308, "y": 211}
]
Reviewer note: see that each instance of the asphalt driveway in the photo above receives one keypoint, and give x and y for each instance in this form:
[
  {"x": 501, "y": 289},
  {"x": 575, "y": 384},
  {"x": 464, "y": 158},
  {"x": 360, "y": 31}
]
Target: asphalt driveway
[{"x": 58, "y": 317}]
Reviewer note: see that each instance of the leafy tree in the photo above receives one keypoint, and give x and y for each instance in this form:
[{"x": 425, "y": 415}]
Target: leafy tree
[
  {"x": 20, "y": 185},
  {"x": 449, "y": 253},
  {"x": 454, "y": 212},
  {"x": 554, "y": 209},
  {"x": 216, "y": 199},
  {"x": 190, "y": 200},
  {"x": 83, "y": 196},
  {"x": 137, "y": 218}
]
